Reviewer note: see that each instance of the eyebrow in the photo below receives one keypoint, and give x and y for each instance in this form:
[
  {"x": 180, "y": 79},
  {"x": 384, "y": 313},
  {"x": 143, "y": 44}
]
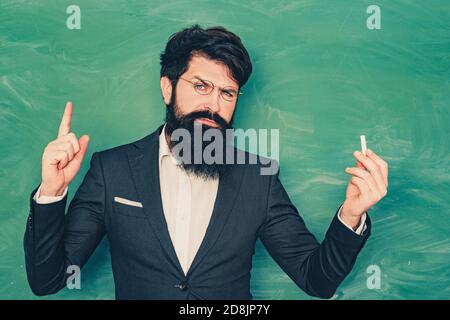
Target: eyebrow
[{"x": 226, "y": 88}]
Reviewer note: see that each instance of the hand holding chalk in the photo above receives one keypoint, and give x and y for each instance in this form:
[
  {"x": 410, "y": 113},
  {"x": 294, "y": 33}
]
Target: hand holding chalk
[{"x": 367, "y": 186}]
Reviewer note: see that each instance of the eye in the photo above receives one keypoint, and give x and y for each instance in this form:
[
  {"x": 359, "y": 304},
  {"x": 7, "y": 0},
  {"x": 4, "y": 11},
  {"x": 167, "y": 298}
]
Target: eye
[
  {"x": 229, "y": 93},
  {"x": 200, "y": 86}
]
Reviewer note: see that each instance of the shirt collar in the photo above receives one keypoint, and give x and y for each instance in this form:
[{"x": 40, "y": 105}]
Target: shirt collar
[{"x": 164, "y": 149}]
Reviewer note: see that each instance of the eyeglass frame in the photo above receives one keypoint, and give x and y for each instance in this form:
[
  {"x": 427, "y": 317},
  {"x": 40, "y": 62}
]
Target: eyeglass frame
[{"x": 238, "y": 93}]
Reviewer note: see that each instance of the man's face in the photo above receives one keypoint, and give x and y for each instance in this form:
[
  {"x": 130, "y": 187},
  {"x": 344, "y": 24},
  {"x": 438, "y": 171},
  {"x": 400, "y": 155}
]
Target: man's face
[
  {"x": 189, "y": 105},
  {"x": 188, "y": 100}
]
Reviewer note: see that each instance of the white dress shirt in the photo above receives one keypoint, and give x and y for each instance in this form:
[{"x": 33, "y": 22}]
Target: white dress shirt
[{"x": 188, "y": 202}]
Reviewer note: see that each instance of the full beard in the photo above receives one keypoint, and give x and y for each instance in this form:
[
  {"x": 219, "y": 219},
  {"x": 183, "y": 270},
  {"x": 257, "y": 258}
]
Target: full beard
[{"x": 176, "y": 120}]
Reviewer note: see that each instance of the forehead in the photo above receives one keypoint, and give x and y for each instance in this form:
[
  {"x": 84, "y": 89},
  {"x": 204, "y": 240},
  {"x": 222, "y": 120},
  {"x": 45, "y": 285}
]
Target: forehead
[{"x": 210, "y": 70}]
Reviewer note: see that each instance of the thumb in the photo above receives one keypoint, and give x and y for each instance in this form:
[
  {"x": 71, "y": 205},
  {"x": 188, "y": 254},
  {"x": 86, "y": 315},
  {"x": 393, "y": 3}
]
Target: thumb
[{"x": 83, "y": 142}]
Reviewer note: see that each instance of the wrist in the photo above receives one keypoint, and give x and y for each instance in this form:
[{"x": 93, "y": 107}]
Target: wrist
[
  {"x": 351, "y": 220},
  {"x": 49, "y": 192}
]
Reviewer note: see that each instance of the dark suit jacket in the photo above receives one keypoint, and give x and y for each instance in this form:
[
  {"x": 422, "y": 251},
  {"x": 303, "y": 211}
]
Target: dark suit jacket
[{"x": 145, "y": 266}]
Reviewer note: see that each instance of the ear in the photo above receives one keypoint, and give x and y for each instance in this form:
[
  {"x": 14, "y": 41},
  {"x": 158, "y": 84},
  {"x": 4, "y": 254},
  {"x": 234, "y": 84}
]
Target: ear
[{"x": 166, "y": 89}]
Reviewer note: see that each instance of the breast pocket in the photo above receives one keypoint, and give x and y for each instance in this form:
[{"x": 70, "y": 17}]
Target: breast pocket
[{"x": 128, "y": 210}]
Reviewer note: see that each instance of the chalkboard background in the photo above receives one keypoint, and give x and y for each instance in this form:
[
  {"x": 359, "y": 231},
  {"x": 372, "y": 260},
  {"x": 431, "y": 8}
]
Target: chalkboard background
[{"x": 320, "y": 76}]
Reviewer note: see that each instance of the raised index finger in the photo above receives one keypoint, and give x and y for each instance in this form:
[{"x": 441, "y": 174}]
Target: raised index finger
[{"x": 64, "y": 127}]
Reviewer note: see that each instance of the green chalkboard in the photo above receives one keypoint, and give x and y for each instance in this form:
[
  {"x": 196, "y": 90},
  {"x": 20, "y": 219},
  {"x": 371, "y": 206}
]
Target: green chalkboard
[{"x": 321, "y": 77}]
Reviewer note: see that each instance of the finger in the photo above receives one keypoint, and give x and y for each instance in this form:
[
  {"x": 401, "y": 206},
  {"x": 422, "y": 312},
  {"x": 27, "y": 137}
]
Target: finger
[
  {"x": 366, "y": 176},
  {"x": 362, "y": 185},
  {"x": 360, "y": 165},
  {"x": 64, "y": 160},
  {"x": 64, "y": 126},
  {"x": 83, "y": 142},
  {"x": 374, "y": 169},
  {"x": 57, "y": 158},
  {"x": 72, "y": 138},
  {"x": 381, "y": 163},
  {"x": 65, "y": 146}
]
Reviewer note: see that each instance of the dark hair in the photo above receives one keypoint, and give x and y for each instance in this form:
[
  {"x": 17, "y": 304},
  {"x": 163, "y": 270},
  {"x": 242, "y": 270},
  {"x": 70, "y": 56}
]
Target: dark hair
[{"x": 214, "y": 43}]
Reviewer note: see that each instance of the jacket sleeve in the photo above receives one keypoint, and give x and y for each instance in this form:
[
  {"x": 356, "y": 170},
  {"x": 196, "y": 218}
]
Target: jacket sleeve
[
  {"x": 318, "y": 269},
  {"x": 53, "y": 241}
]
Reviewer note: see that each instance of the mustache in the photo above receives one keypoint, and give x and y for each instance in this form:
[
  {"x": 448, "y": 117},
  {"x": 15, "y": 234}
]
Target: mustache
[{"x": 207, "y": 115}]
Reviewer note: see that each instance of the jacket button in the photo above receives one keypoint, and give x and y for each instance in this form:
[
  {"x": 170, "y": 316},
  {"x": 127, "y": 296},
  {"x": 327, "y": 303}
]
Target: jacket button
[{"x": 183, "y": 286}]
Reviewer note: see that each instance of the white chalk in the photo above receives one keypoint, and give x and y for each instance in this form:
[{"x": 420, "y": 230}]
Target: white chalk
[{"x": 363, "y": 144}]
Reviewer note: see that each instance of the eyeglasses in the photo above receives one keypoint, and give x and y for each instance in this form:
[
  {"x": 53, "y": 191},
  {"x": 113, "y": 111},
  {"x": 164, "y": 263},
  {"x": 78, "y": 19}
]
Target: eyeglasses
[{"x": 205, "y": 87}]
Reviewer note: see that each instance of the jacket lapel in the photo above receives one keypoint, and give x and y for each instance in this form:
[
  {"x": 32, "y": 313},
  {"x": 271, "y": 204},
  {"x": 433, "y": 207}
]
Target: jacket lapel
[{"x": 145, "y": 170}]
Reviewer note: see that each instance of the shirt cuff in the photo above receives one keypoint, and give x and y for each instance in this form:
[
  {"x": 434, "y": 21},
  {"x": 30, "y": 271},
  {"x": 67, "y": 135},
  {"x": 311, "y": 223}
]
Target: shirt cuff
[
  {"x": 48, "y": 199},
  {"x": 362, "y": 225}
]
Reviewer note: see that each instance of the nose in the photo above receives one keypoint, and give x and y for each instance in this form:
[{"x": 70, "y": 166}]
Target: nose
[{"x": 214, "y": 102}]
